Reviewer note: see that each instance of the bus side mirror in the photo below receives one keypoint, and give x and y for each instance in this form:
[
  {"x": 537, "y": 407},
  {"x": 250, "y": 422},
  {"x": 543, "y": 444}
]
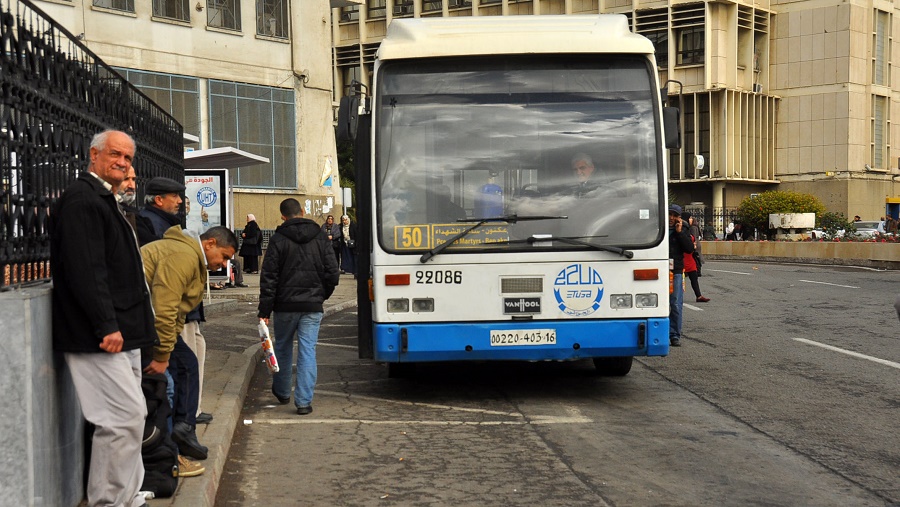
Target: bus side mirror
[
  {"x": 348, "y": 116},
  {"x": 671, "y": 127}
]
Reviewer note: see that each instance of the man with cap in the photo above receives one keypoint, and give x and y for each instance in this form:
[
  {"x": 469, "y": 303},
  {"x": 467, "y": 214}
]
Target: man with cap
[
  {"x": 162, "y": 200},
  {"x": 679, "y": 244}
]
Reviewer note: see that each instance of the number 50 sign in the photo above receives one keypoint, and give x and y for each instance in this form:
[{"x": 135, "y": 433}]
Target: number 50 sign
[{"x": 412, "y": 237}]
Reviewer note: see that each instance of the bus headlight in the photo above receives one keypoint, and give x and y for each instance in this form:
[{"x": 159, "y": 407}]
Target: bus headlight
[
  {"x": 646, "y": 301},
  {"x": 423, "y": 305},
  {"x": 619, "y": 301},
  {"x": 398, "y": 305}
]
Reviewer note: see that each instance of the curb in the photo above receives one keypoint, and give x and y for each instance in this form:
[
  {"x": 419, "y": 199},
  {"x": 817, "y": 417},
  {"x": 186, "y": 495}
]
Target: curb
[{"x": 203, "y": 489}]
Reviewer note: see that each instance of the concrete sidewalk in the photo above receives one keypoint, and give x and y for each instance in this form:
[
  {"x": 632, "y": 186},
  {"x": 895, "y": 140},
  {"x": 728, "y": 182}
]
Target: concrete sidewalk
[{"x": 232, "y": 355}]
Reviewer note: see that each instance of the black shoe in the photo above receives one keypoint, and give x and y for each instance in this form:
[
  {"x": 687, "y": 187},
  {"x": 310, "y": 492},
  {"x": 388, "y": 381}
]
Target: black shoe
[
  {"x": 204, "y": 418},
  {"x": 229, "y": 285},
  {"x": 241, "y": 285},
  {"x": 186, "y": 438},
  {"x": 283, "y": 401},
  {"x": 304, "y": 410},
  {"x": 675, "y": 343}
]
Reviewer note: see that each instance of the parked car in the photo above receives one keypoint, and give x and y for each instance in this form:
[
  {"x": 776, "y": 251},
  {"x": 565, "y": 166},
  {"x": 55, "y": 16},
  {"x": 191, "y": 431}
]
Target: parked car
[{"x": 869, "y": 228}]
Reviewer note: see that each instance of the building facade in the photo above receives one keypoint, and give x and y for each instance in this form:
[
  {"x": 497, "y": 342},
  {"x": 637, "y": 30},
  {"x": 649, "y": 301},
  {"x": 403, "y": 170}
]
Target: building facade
[
  {"x": 789, "y": 95},
  {"x": 253, "y": 75}
]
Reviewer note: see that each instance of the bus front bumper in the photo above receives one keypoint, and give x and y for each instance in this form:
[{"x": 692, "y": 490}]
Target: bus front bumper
[{"x": 473, "y": 341}]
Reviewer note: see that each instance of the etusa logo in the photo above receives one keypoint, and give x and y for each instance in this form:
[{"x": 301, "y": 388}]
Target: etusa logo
[{"x": 578, "y": 289}]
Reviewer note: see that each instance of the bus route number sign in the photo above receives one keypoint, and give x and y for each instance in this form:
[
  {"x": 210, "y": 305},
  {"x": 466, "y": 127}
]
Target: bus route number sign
[
  {"x": 512, "y": 337},
  {"x": 412, "y": 237}
]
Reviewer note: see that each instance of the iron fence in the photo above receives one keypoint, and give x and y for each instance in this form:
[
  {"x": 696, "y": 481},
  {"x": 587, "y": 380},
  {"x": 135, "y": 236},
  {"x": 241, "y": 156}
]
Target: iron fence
[
  {"x": 55, "y": 94},
  {"x": 714, "y": 222}
]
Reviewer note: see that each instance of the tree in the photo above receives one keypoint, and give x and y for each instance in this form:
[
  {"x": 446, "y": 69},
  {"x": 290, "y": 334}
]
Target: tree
[
  {"x": 347, "y": 171},
  {"x": 754, "y": 211}
]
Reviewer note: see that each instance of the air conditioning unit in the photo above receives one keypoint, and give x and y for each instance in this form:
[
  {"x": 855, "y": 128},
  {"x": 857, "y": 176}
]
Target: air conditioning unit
[
  {"x": 400, "y": 10},
  {"x": 757, "y": 88}
]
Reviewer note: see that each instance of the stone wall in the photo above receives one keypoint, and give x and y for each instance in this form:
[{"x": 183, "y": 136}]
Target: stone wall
[{"x": 41, "y": 429}]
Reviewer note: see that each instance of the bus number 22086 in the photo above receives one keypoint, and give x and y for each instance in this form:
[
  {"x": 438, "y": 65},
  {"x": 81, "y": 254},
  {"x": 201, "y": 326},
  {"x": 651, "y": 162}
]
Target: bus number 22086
[{"x": 445, "y": 276}]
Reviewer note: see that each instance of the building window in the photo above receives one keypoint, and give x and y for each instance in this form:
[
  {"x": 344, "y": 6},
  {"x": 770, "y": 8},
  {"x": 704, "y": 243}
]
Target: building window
[
  {"x": 880, "y": 128},
  {"x": 119, "y": 5},
  {"x": 272, "y": 18},
  {"x": 260, "y": 120},
  {"x": 403, "y": 8},
  {"x": 377, "y": 9},
  {"x": 178, "y": 95},
  {"x": 881, "y": 55},
  {"x": 349, "y": 13},
  {"x": 688, "y": 27},
  {"x": 654, "y": 25},
  {"x": 224, "y": 14},
  {"x": 432, "y": 5},
  {"x": 690, "y": 46},
  {"x": 456, "y": 4},
  {"x": 172, "y": 9}
]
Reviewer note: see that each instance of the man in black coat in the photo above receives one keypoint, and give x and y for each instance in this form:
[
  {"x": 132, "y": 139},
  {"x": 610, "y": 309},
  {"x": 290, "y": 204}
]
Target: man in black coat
[
  {"x": 102, "y": 317},
  {"x": 679, "y": 244},
  {"x": 162, "y": 200},
  {"x": 298, "y": 274}
]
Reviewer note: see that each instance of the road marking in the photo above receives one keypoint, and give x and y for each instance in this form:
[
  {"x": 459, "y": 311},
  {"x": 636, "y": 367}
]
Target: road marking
[
  {"x": 692, "y": 307},
  {"x": 534, "y": 420},
  {"x": 573, "y": 416},
  {"x": 336, "y": 345},
  {"x": 832, "y": 284},
  {"x": 850, "y": 353},
  {"x": 732, "y": 272},
  {"x": 416, "y": 404}
]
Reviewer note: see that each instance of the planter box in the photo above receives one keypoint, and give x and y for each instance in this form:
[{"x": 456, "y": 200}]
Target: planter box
[{"x": 855, "y": 253}]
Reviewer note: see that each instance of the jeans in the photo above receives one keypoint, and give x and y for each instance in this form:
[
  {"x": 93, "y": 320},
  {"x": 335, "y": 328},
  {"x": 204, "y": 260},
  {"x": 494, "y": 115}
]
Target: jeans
[
  {"x": 676, "y": 304},
  {"x": 305, "y": 325}
]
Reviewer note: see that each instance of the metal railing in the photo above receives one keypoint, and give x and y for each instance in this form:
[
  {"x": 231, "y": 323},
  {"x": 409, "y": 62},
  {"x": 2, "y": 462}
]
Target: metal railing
[
  {"x": 55, "y": 94},
  {"x": 714, "y": 222}
]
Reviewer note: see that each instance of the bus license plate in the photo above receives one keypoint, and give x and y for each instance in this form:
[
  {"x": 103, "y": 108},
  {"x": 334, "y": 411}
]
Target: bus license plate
[{"x": 523, "y": 337}]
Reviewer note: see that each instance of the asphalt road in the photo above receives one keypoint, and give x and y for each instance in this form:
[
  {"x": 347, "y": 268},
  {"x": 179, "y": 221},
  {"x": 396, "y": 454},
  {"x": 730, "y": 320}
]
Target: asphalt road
[{"x": 752, "y": 410}]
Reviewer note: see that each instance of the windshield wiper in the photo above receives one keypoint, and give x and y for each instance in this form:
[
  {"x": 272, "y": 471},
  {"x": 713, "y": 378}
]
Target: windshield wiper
[
  {"x": 574, "y": 241},
  {"x": 510, "y": 219}
]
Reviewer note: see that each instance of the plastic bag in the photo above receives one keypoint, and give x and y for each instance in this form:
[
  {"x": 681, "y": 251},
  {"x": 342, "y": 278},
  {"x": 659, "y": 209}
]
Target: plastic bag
[{"x": 266, "y": 344}]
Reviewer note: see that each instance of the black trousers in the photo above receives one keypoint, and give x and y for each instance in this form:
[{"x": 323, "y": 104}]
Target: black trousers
[
  {"x": 695, "y": 282},
  {"x": 185, "y": 372}
]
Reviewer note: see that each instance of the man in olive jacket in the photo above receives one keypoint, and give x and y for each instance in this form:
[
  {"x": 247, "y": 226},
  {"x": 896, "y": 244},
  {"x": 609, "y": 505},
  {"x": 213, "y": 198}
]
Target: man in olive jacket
[
  {"x": 298, "y": 274},
  {"x": 102, "y": 317},
  {"x": 176, "y": 268}
]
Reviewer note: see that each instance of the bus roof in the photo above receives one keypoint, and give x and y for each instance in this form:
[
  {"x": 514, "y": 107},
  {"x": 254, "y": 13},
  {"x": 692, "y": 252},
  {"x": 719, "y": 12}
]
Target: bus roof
[{"x": 498, "y": 35}]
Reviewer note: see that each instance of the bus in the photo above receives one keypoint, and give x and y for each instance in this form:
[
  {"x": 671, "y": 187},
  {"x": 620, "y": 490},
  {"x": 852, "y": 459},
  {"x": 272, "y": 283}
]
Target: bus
[{"x": 511, "y": 193}]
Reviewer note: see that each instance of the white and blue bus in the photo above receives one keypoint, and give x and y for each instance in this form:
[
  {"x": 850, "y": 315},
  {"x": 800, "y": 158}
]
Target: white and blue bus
[{"x": 511, "y": 193}]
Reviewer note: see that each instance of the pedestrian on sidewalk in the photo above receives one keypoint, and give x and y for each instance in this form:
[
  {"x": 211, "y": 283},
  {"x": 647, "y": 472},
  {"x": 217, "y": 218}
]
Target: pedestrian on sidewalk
[
  {"x": 691, "y": 265},
  {"x": 679, "y": 244},
  {"x": 298, "y": 274},
  {"x": 251, "y": 246},
  {"x": 348, "y": 246},
  {"x": 177, "y": 268},
  {"x": 96, "y": 267}
]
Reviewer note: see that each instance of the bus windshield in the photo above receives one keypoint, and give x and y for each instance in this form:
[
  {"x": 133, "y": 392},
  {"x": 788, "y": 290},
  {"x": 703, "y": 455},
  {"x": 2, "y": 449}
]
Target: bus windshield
[{"x": 574, "y": 139}]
